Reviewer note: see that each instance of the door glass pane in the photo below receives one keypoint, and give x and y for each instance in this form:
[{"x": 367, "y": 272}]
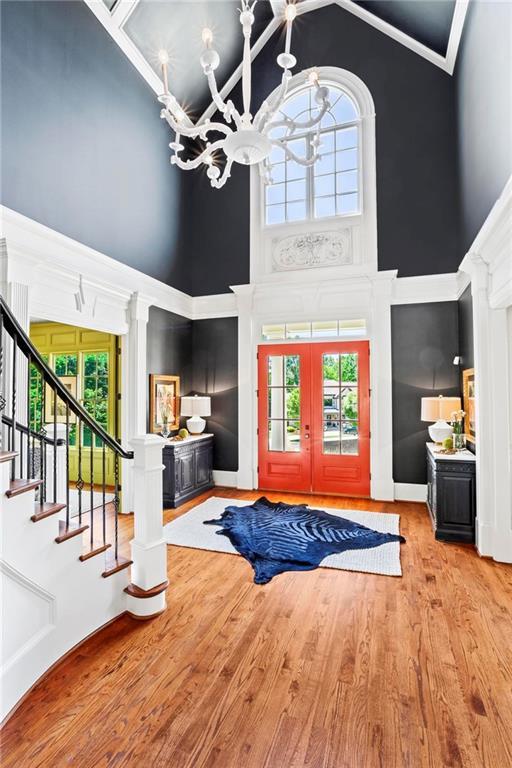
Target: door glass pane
[
  {"x": 292, "y": 403},
  {"x": 95, "y": 391},
  {"x": 275, "y": 403},
  {"x": 292, "y": 367},
  {"x": 349, "y": 403},
  {"x": 276, "y": 435},
  {"x": 298, "y": 330},
  {"x": 349, "y": 438},
  {"x": 292, "y": 436},
  {"x": 331, "y": 404},
  {"x": 325, "y": 328},
  {"x": 331, "y": 365},
  {"x": 349, "y": 368},
  {"x": 275, "y": 371},
  {"x": 331, "y": 438}
]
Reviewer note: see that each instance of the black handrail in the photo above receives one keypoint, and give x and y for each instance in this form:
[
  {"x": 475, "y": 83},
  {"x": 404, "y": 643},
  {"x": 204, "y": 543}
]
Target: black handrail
[
  {"x": 33, "y": 433},
  {"x": 24, "y": 344}
]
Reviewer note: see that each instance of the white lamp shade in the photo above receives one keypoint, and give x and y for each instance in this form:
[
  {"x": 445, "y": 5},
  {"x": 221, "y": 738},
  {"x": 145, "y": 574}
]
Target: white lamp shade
[
  {"x": 196, "y": 406},
  {"x": 439, "y": 408}
]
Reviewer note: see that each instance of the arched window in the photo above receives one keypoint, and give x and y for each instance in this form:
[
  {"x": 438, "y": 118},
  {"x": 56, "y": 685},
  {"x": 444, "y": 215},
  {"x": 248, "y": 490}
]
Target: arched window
[{"x": 332, "y": 185}]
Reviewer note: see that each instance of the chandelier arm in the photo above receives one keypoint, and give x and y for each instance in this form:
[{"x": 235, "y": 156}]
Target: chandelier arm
[
  {"x": 267, "y": 111},
  {"x": 196, "y": 130},
  {"x": 189, "y": 165},
  {"x": 292, "y": 156},
  {"x": 247, "y": 20},
  {"x": 218, "y": 183},
  {"x": 291, "y": 124}
]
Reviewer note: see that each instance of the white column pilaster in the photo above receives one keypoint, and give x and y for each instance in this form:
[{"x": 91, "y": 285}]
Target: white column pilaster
[
  {"x": 492, "y": 383},
  {"x": 381, "y": 401},
  {"x": 246, "y": 377},
  {"x": 134, "y": 386}
]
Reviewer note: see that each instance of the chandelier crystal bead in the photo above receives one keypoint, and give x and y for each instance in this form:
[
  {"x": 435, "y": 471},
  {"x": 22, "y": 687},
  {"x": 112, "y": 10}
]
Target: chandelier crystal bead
[{"x": 248, "y": 142}]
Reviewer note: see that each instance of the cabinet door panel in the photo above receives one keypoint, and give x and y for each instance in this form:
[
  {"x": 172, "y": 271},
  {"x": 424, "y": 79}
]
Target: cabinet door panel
[
  {"x": 187, "y": 471},
  {"x": 456, "y": 499},
  {"x": 203, "y": 464}
]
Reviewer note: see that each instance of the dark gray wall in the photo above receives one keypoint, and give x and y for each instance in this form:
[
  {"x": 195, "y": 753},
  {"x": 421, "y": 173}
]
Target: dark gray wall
[
  {"x": 424, "y": 341},
  {"x": 204, "y": 353},
  {"x": 169, "y": 348},
  {"x": 215, "y": 372},
  {"x": 83, "y": 149},
  {"x": 417, "y": 192},
  {"x": 483, "y": 79}
]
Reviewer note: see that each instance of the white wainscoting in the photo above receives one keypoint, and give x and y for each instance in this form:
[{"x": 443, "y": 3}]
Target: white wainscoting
[{"x": 410, "y": 492}]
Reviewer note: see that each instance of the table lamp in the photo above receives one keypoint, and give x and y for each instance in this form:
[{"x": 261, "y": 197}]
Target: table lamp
[
  {"x": 439, "y": 409},
  {"x": 196, "y": 406}
]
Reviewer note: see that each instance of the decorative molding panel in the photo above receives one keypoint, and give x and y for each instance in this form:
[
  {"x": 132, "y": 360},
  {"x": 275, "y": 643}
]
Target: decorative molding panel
[
  {"x": 33, "y": 614},
  {"x": 312, "y": 250}
]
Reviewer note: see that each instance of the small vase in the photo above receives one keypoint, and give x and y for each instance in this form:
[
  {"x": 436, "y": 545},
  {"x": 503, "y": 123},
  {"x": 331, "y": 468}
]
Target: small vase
[
  {"x": 459, "y": 441},
  {"x": 165, "y": 429}
]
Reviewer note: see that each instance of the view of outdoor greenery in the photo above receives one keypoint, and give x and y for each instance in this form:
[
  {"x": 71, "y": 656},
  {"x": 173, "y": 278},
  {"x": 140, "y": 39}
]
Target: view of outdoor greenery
[{"x": 93, "y": 394}]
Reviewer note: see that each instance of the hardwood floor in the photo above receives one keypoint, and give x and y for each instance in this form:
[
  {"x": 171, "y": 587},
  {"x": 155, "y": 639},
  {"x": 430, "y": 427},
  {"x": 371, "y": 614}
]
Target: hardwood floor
[{"x": 321, "y": 669}]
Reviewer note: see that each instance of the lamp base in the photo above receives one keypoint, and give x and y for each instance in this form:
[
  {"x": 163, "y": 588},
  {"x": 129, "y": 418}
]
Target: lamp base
[
  {"x": 196, "y": 425},
  {"x": 440, "y": 431}
]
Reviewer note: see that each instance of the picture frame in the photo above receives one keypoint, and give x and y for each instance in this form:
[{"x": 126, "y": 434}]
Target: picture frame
[
  {"x": 71, "y": 384},
  {"x": 164, "y": 394},
  {"x": 468, "y": 389}
]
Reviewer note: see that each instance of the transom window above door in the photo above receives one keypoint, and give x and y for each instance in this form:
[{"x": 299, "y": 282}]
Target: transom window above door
[{"x": 329, "y": 187}]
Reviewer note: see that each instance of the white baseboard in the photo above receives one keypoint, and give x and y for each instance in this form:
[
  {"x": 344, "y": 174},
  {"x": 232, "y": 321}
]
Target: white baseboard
[
  {"x": 223, "y": 477},
  {"x": 410, "y": 492}
]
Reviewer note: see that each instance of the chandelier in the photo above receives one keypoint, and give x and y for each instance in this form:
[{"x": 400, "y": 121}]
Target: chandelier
[{"x": 249, "y": 141}]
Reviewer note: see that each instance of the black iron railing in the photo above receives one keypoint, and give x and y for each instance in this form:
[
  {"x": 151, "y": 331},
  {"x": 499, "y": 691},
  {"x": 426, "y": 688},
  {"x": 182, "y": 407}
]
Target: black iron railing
[{"x": 25, "y": 431}]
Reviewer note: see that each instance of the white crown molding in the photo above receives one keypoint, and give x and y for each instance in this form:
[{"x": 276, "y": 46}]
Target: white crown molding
[
  {"x": 31, "y": 246},
  {"x": 425, "y": 289}
]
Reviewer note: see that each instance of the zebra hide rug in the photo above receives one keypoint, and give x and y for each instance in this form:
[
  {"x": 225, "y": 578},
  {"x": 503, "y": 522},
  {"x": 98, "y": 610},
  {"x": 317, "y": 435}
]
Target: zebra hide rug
[
  {"x": 380, "y": 556},
  {"x": 276, "y": 537}
]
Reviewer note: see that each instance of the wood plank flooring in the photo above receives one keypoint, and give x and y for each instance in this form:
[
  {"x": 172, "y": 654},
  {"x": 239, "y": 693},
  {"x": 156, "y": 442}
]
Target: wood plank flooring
[{"x": 321, "y": 669}]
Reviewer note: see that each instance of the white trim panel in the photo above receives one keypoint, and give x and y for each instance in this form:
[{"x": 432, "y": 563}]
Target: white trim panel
[{"x": 410, "y": 492}]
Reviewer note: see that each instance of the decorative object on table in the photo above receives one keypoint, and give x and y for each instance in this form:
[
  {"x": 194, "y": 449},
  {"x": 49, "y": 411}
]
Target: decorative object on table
[
  {"x": 439, "y": 409},
  {"x": 70, "y": 382},
  {"x": 276, "y": 537},
  {"x": 188, "y": 530},
  {"x": 196, "y": 407},
  {"x": 468, "y": 389},
  {"x": 251, "y": 138},
  {"x": 451, "y": 493},
  {"x": 458, "y": 438},
  {"x": 188, "y": 469},
  {"x": 164, "y": 393}
]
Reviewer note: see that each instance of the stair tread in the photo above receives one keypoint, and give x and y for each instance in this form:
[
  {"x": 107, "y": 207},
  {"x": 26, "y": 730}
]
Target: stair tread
[
  {"x": 93, "y": 552},
  {"x": 45, "y": 510},
  {"x": 114, "y": 566},
  {"x": 7, "y": 456},
  {"x": 22, "y": 486},
  {"x": 67, "y": 532}
]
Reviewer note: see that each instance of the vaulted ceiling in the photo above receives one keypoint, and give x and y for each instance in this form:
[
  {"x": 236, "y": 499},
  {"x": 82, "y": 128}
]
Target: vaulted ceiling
[{"x": 431, "y": 28}]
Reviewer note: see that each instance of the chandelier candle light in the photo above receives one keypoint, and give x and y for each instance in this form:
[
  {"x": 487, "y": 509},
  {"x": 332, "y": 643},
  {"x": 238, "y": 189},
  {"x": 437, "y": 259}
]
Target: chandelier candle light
[{"x": 248, "y": 142}]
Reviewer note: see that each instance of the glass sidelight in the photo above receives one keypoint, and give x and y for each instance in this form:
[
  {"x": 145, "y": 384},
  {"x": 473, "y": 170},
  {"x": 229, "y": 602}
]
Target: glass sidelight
[
  {"x": 284, "y": 403},
  {"x": 340, "y": 404}
]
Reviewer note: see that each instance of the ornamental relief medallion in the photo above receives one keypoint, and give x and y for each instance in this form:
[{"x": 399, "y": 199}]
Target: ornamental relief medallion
[{"x": 312, "y": 250}]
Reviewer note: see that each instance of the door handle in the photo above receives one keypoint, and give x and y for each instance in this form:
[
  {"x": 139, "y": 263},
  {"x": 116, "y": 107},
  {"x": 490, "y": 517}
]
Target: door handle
[{"x": 306, "y": 436}]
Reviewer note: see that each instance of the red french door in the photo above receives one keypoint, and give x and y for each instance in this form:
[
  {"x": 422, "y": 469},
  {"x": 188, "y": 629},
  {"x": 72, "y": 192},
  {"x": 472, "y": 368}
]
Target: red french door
[
  {"x": 314, "y": 417},
  {"x": 284, "y": 402}
]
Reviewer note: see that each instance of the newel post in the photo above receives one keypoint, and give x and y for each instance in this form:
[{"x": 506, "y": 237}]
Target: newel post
[{"x": 146, "y": 593}]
